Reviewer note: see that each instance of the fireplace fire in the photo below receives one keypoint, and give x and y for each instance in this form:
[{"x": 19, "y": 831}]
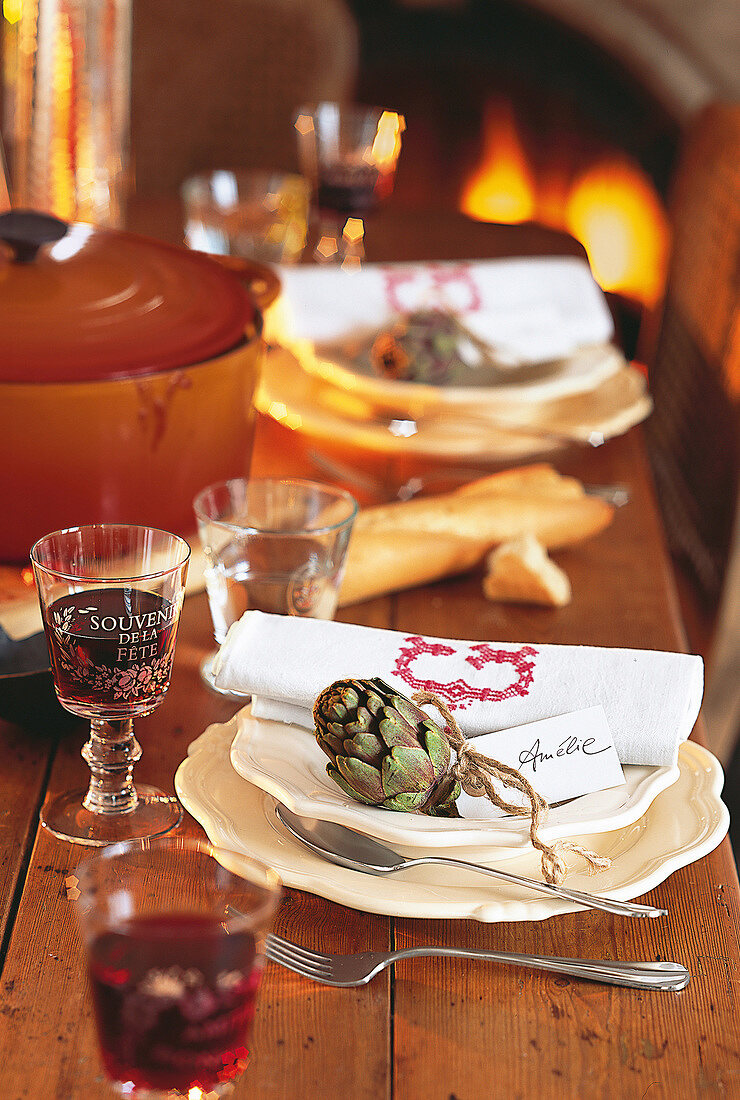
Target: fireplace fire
[
  {"x": 512, "y": 116},
  {"x": 605, "y": 200}
]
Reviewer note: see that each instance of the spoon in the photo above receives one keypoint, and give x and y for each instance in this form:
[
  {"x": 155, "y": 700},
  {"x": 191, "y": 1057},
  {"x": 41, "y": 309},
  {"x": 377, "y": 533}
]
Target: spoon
[{"x": 348, "y": 848}]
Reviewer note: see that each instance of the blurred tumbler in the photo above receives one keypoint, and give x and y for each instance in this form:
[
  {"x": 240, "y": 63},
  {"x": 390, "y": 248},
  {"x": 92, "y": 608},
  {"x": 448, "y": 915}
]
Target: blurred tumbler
[{"x": 67, "y": 104}]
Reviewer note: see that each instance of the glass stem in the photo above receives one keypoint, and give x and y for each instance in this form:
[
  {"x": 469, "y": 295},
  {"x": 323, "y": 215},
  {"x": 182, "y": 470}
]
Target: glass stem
[{"x": 111, "y": 753}]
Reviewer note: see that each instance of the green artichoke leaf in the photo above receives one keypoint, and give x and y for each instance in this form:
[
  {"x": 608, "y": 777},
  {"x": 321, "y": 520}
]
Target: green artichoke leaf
[
  {"x": 406, "y": 802},
  {"x": 327, "y": 745},
  {"x": 363, "y": 778},
  {"x": 443, "y": 801},
  {"x": 340, "y": 782},
  {"x": 364, "y": 746},
  {"x": 373, "y": 702},
  {"x": 406, "y": 769},
  {"x": 409, "y": 710},
  {"x": 437, "y": 746},
  {"x": 339, "y": 700},
  {"x": 360, "y": 723},
  {"x": 330, "y": 741},
  {"x": 395, "y": 730},
  {"x": 443, "y": 809}
]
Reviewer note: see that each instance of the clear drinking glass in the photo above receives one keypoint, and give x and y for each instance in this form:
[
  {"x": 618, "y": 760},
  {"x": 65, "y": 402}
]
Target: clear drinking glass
[
  {"x": 274, "y": 545},
  {"x": 349, "y": 152},
  {"x": 259, "y": 216},
  {"x": 110, "y": 597},
  {"x": 174, "y": 932}
]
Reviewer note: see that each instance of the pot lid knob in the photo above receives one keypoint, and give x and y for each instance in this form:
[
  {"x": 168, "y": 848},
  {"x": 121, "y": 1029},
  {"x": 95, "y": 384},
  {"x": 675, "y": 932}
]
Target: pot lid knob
[{"x": 27, "y": 230}]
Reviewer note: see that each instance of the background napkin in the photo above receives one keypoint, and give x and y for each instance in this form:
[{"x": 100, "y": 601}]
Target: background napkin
[
  {"x": 530, "y": 309},
  {"x": 651, "y": 699}
]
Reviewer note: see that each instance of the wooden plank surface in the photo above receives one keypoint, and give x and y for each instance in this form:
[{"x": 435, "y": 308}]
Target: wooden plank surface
[
  {"x": 437, "y": 1029},
  {"x": 440, "y": 1028}
]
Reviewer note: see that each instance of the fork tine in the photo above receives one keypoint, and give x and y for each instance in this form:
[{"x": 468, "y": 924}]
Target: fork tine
[
  {"x": 290, "y": 964},
  {"x": 306, "y": 952},
  {"x": 299, "y": 967},
  {"x": 300, "y": 961}
]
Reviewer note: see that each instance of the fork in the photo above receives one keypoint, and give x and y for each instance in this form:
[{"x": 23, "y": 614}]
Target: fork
[
  {"x": 352, "y": 970},
  {"x": 617, "y": 495}
]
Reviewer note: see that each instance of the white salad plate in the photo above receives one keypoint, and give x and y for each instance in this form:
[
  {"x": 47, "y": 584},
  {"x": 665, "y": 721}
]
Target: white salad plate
[
  {"x": 330, "y": 413},
  {"x": 286, "y": 762},
  {"x": 683, "y": 823},
  {"x": 581, "y": 372}
]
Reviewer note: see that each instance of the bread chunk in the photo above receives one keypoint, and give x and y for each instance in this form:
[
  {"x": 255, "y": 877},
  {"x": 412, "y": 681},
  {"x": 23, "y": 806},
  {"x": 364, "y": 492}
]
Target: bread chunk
[{"x": 520, "y": 571}]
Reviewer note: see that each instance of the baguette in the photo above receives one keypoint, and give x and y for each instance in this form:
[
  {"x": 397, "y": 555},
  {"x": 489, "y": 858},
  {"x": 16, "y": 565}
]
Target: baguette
[{"x": 400, "y": 545}]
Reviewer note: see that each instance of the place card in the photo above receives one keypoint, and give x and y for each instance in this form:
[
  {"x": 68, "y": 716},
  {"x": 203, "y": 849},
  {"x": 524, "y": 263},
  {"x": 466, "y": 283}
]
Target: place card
[{"x": 563, "y": 757}]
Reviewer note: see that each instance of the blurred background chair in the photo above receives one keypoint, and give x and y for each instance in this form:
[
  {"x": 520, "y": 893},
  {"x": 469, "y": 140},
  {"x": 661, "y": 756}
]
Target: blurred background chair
[
  {"x": 695, "y": 380},
  {"x": 216, "y": 85}
]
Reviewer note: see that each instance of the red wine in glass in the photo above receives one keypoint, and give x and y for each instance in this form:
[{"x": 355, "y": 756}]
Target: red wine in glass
[
  {"x": 348, "y": 189},
  {"x": 174, "y": 999},
  {"x": 111, "y": 650}
]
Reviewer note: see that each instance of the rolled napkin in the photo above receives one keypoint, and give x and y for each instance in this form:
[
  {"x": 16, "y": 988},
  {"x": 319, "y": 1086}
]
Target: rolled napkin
[
  {"x": 651, "y": 699},
  {"x": 533, "y": 308}
]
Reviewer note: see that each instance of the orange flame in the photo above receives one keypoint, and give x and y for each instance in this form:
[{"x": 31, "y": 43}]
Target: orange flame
[
  {"x": 501, "y": 189},
  {"x": 612, "y": 208},
  {"x": 614, "y": 211}
]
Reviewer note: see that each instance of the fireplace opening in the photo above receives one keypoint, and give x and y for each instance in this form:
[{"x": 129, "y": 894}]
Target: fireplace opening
[{"x": 512, "y": 116}]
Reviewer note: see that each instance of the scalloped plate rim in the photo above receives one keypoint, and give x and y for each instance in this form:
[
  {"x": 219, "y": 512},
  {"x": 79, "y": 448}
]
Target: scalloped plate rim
[
  {"x": 507, "y": 834},
  {"x": 303, "y": 870}
]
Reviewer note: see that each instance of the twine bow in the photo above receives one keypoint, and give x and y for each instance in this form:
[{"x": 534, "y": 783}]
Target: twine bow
[{"x": 476, "y": 774}]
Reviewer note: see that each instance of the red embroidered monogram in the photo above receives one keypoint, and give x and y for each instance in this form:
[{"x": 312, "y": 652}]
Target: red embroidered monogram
[
  {"x": 458, "y": 693},
  {"x": 432, "y": 285}
]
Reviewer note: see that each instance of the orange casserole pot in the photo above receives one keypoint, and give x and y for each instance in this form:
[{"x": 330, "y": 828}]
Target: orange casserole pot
[{"x": 127, "y": 372}]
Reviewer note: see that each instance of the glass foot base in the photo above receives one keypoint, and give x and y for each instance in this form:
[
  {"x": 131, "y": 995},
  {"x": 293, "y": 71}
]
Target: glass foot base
[
  {"x": 124, "y": 1088},
  {"x": 208, "y": 678},
  {"x": 155, "y": 813}
]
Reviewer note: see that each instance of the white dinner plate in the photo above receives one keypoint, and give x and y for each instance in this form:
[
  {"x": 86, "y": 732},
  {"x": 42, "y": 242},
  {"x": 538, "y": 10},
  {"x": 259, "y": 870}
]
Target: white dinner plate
[
  {"x": 286, "y": 762},
  {"x": 581, "y": 372},
  {"x": 332, "y": 414},
  {"x": 683, "y": 823}
]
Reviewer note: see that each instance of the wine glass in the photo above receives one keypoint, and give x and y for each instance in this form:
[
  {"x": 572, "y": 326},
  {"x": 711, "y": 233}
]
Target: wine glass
[
  {"x": 110, "y": 597},
  {"x": 349, "y": 153},
  {"x": 174, "y": 933}
]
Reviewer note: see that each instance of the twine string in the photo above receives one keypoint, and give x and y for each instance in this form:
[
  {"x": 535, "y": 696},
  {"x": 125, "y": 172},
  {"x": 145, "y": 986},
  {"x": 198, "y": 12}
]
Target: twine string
[{"x": 476, "y": 774}]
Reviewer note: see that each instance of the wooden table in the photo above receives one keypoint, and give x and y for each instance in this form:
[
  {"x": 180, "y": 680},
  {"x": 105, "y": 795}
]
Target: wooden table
[{"x": 435, "y": 1029}]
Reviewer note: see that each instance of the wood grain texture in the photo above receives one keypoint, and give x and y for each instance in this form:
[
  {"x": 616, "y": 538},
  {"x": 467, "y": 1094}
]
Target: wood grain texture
[{"x": 435, "y": 1029}]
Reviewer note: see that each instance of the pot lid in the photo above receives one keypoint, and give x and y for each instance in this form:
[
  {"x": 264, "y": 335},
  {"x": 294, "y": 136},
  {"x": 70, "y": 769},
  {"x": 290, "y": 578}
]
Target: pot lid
[{"x": 80, "y": 303}]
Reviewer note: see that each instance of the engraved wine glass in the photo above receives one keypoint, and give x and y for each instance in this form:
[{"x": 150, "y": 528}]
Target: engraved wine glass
[
  {"x": 110, "y": 597},
  {"x": 174, "y": 931}
]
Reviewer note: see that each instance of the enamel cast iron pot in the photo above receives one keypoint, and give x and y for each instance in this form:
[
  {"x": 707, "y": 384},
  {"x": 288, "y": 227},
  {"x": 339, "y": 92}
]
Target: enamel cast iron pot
[{"x": 127, "y": 370}]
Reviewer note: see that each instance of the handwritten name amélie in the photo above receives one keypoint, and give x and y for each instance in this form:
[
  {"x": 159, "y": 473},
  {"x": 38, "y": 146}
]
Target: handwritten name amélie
[{"x": 568, "y": 747}]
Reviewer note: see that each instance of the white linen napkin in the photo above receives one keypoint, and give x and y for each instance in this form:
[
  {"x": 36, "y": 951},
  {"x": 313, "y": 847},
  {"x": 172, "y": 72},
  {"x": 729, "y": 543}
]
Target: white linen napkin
[
  {"x": 651, "y": 699},
  {"x": 529, "y": 309}
]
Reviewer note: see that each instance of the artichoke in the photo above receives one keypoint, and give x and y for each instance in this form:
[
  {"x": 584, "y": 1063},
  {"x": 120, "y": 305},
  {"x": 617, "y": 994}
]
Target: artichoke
[{"x": 383, "y": 750}]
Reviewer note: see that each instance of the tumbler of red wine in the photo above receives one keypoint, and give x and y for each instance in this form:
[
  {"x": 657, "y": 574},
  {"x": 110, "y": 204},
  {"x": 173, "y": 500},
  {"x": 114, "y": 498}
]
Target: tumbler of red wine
[
  {"x": 110, "y": 598},
  {"x": 349, "y": 153},
  {"x": 174, "y": 931}
]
